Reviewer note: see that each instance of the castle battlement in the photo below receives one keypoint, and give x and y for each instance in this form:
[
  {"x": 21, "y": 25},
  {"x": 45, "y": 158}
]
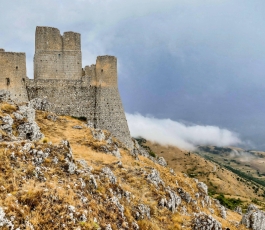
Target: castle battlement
[
  {"x": 57, "y": 56},
  {"x": 90, "y": 92}
]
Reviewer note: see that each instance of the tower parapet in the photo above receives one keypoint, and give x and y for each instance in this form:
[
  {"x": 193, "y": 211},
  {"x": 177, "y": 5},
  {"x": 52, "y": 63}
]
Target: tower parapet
[
  {"x": 106, "y": 71},
  {"x": 57, "y": 57}
]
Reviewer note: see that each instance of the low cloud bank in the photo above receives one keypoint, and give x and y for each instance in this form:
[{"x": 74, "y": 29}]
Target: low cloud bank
[{"x": 169, "y": 132}]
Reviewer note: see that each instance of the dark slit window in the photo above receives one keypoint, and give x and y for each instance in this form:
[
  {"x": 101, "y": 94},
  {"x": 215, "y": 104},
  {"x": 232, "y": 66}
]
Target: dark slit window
[{"x": 7, "y": 81}]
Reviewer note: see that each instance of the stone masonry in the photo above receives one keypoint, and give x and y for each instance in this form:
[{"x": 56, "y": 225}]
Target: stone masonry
[{"x": 91, "y": 92}]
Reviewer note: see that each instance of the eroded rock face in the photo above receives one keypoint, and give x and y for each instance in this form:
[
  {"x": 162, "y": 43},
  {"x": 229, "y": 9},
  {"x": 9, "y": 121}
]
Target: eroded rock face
[
  {"x": 4, "y": 222},
  {"x": 154, "y": 178},
  {"x": 202, "y": 188},
  {"x": 98, "y": 134},
  {"x": 142, "y": 212},
  {"x": 22, "y": 125},
  {"x": 254, "y": 218},
  {"x": 107, "y": 171},
  {"x": 174, "y": 200},
  {"x": 204, "y": 222},
  {"x": 30, "y": 131},
  {"x": 184, "y": 195},
  {"x": 7, "y": 124},
  {"x": 162, "y": 161},
  {"x": 238, "y": 209}
]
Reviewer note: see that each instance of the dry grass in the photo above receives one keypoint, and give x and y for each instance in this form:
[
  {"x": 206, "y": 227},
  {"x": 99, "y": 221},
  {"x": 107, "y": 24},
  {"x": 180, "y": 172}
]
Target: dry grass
[
  {"x": 45, "y": 202},
  {"x": 8, "y": 108}
]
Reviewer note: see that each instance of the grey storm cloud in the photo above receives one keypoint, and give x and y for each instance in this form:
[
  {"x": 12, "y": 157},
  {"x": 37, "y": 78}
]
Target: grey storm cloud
[{"x": 198, "y": 61}]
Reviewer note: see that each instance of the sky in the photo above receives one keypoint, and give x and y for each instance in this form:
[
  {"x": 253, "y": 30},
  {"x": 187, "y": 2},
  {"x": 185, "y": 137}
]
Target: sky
[{"x": 198, "y": 64}]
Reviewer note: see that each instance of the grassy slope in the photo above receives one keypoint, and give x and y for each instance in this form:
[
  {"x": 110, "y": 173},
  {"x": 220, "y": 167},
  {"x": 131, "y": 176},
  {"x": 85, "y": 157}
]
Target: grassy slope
[
  {"x": 80, "y": 140},
  {"x": 34, "y": 195},
  {"x": 219, "y": 179}
]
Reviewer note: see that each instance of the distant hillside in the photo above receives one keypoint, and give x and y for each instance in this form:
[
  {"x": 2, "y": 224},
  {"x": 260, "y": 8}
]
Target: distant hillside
[
  {"x": 211, "y": 168},
  {"x": 245, "y": 163}
]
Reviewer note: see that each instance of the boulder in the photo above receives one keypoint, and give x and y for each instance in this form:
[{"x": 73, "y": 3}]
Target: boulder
[
  {"x": 162, "y": 161},
  {"x": 254, "y": 218},
  {"x": 202, "y": 188},
  {"x": 204, "y": 222}
]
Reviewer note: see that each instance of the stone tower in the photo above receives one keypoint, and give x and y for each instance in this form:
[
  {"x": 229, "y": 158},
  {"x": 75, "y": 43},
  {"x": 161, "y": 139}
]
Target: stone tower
[
  {"x": 56, "y": 56},
  {"x": 13, "y": 75},
  {"x": 108, "y": 112}
]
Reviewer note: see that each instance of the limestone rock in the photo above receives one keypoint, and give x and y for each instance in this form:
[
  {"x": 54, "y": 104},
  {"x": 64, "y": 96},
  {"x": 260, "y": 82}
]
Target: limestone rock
[
  {"x": 4, "y": 222},
  {"x": 204, "y": 222},
  {"x": 7, "y": 124},
  {"x": 202, "y": 188},
  {"x": 254, "y": 218},
  {"x": 93, "y": 181},
  {"x": 107, "y": 171},
  {"x": 52, "y": 117},
  {"x": 184, "y": 195},
  {"x": 238, "y": 209},
  {"x": 135, "y": 226},
  {"x": 77, "y": 127},
  {"x": 98, "y": 134},
  {"x": 30, "y": 131},
  {"x": 174, "y": 200},
  {"x": 108, "y": 227},
  {"x": 27, "y": 112},
  {"x": 116, "y": 202},
  {"x": 154, "y": 178},
  {"x": 162, "y": 161},
  {"x": 142, "y": 212}
]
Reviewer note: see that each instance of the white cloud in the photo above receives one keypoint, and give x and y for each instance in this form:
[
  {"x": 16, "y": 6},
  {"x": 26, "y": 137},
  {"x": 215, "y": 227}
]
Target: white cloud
[{"x": 169, "y": 132}]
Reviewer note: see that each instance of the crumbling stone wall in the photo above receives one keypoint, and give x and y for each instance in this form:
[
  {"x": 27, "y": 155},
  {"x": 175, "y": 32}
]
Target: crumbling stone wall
[
  {"x": 95, "y": 96},
  {"x": 13, "y": 74},
  {"x": 56, "y": 56}
]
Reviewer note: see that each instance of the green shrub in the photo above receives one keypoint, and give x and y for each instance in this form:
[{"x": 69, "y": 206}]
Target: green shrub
[{"x": 230, "y": 203}]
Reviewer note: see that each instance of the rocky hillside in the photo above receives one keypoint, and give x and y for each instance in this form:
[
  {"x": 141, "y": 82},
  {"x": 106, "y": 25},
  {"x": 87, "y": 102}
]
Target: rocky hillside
[
  {"x": 58, "y": 173},
  {"x": 219, "y": 179}
]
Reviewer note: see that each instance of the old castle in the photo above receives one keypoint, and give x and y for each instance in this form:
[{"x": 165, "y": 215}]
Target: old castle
[{"x": 90, "y": 92}]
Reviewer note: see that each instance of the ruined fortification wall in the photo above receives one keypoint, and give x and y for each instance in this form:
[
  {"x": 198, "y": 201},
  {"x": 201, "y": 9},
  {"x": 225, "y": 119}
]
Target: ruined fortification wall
[
  {"x": 67, "y": 97},
  {"x": 95, "y": 96},
  {"x": 109, "y": 112},
  {"x": 56, "y": 56},
  {"x": 13, "y": 75},
  {"x": 91, "y": 92}
]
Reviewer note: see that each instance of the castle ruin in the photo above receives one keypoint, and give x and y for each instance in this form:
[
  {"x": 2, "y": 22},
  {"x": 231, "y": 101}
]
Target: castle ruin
[{"x": 59, "y": 78}]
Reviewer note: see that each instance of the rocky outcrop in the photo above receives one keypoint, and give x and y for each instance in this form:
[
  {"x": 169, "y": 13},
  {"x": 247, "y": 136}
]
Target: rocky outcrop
[
  {"x": 202, "y": 188},
  {"x": 162, "y": 161},
  {"x": 22, "y": 126},
  {"x": 254, "y": 218},
  {"x": 5, "y": 223},
  {"x": 154, "y": 178},
  {"x": 203, "y": 221}
]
